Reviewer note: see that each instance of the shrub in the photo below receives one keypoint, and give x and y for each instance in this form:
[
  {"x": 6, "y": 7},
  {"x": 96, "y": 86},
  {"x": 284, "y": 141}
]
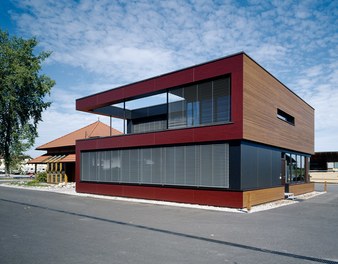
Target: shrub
[{"x": 41, "y": 177}]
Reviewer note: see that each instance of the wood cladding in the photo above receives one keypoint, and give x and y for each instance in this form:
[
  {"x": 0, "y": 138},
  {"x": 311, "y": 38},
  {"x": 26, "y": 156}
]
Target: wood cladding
[
  {"x": 263, "y": 196},
  {"x": 262, "y": 96},
  {"x": 298, "y": 189}
]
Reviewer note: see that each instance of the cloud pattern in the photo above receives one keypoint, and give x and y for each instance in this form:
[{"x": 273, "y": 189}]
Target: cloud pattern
[{"x": 118, "y": 42}]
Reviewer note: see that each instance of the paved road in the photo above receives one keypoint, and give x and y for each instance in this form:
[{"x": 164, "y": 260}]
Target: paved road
[{"x": 41, "y": 227}]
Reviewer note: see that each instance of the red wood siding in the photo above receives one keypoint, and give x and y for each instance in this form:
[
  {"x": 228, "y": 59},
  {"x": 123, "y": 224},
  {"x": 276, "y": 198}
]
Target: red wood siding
[{"x": 204, "y": 197}]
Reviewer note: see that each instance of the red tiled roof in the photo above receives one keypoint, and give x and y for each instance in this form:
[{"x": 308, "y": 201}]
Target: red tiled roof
[
  {"x": 97, "y": 129},
  {"x": 69, "y": 158},
  {"x": 39, "y": 159},
  {"x": 51, "y": 159}
]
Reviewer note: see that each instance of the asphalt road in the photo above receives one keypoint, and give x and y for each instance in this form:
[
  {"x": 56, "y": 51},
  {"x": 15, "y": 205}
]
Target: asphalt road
[{"x": 41, "y": 227}]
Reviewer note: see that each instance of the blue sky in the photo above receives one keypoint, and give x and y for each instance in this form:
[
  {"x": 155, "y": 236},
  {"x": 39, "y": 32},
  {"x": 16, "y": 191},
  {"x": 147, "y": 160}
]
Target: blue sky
[{"x": 98, "y": 45}]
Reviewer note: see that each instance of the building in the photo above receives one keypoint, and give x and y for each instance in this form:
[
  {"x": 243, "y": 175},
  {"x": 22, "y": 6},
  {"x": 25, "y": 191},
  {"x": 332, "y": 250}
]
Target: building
[
  {"x": 324, "y": 161},
  {"x": 60, "y": 156},
  {"x": 22, "y": 167},
  {"x": 324, "y": 167},
  {"x": 222, "y": 133}
]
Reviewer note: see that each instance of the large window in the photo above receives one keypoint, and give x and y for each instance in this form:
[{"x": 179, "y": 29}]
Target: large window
[
  {"x": 295, "y": 170},
  {"x": 200, "y": 104},
  {"x": 191, "y": 165}
]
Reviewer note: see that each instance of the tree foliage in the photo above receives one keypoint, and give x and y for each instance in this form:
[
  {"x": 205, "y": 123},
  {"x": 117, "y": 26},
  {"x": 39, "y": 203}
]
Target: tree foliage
[{"x": 22, "y": 95}]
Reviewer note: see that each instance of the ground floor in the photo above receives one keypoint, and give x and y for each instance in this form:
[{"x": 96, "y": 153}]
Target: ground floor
[{"x": 234, "y": 173}]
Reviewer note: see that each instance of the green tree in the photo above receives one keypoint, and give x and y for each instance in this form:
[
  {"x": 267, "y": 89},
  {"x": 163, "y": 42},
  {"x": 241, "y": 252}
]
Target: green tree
[{"x": 22, "y": 95}]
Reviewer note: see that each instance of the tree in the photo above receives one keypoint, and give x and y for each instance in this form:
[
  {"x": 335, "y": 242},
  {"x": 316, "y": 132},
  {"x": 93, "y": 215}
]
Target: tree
[{"x": 22, "y": 95}]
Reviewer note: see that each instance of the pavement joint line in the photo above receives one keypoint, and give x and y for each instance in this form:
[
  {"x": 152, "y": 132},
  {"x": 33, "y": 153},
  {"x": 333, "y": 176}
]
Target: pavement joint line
[{"x": 179, "y": 234}]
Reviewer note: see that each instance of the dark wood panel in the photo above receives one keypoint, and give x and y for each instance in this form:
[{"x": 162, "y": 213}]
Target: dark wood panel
[{"x": 263, "y": 95}]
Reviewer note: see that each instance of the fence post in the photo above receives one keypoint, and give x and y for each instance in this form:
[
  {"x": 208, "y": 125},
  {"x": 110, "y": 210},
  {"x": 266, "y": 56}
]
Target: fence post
[{"x": 325, "y": 187}]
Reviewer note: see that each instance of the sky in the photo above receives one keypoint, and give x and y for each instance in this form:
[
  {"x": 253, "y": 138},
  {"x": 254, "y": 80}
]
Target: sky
[{"x": 99, "y": 45}]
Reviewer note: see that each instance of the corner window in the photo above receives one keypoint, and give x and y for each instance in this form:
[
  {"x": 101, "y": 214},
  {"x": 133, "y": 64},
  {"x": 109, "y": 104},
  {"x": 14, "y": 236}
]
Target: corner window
[
  {"x": 295, "y": 168},
  {"x": 285, "y": 117}
]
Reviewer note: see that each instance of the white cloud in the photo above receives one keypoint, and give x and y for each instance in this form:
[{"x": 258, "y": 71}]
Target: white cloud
[{"x": 125, "y": 41}]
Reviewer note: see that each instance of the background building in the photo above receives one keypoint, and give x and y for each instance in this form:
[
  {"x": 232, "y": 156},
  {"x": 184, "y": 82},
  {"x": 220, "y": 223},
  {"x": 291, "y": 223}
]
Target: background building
[
  {"x": 324, "y": 167},
  {"x": 60, "y": 156},
  {"x": 220, "y": 133}
]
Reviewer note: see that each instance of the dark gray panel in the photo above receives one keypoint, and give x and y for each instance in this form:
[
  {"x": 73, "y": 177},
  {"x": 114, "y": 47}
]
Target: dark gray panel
[
  {"x": 276, "y": 168},
  {"x": 249, "y": 167},
  {"x": 219, "y": 164},
  {"x": 235, "y": 166},
  {"x": 261, "y": 166},
  {"x": 264, "y": 169}
]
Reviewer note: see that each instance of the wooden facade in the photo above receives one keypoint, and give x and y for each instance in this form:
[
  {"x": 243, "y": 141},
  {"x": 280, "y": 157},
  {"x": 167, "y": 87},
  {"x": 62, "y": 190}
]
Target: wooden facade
[
  {"x": 298, "y": 189},
  {"x": 256, "y": 197},
  {"x": 263, "y": 95}
]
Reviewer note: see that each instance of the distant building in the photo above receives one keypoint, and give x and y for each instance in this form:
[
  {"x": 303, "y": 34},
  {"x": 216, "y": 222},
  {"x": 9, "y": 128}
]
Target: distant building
[
  {"x": 21, "y": 168},
  {"x": 324, "y": 167},
  {"x": 324, "y": 161},
  {"x": 60, "y": 157},
  {"x": 223, "y": 133}
]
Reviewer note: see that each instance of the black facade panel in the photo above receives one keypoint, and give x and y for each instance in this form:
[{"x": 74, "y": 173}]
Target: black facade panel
[
  {"x": 276, "y": 170},
  {"x": 249, "y": 167},
  {"x": 260, "y": 166},
  {"x": 235, "y": 166}
]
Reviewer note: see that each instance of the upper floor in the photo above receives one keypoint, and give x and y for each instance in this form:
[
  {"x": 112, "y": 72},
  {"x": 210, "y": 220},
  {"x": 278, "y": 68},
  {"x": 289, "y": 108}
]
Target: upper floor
[{"x": 225, "y": 99}]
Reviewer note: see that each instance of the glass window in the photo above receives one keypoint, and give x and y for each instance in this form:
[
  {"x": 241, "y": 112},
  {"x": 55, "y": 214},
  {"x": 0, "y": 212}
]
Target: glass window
[
  {"x": 221, "y": 99},
  {"x": 177, "y": 108},
  {"x": 285, "y": 117},
  {"x": 205, "y": 99},
  {"x": 201, "y": 104},
  {"x": 198, "y": 165},
  {"x": 295, "y": 168}
]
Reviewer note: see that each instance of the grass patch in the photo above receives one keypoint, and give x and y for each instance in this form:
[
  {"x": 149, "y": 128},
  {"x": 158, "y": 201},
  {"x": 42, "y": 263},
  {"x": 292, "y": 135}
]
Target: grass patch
[
  {"x": 29, "y": 183},
  {"x": 34, "y": 183}
]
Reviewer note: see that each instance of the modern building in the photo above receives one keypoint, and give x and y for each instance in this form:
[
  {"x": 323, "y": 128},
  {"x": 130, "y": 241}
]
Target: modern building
[
  {"x": 324, "y": 167},
  {"x": 60, "y": 157},
  {"x": 222, "y": 133},
  {"x": 324, "y": 161}
]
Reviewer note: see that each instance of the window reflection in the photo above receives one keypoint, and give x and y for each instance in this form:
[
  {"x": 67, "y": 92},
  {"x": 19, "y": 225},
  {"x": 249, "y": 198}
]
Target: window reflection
[
  {"x": 294, "y": 168},
  {"x": 203, "y": 103}
]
